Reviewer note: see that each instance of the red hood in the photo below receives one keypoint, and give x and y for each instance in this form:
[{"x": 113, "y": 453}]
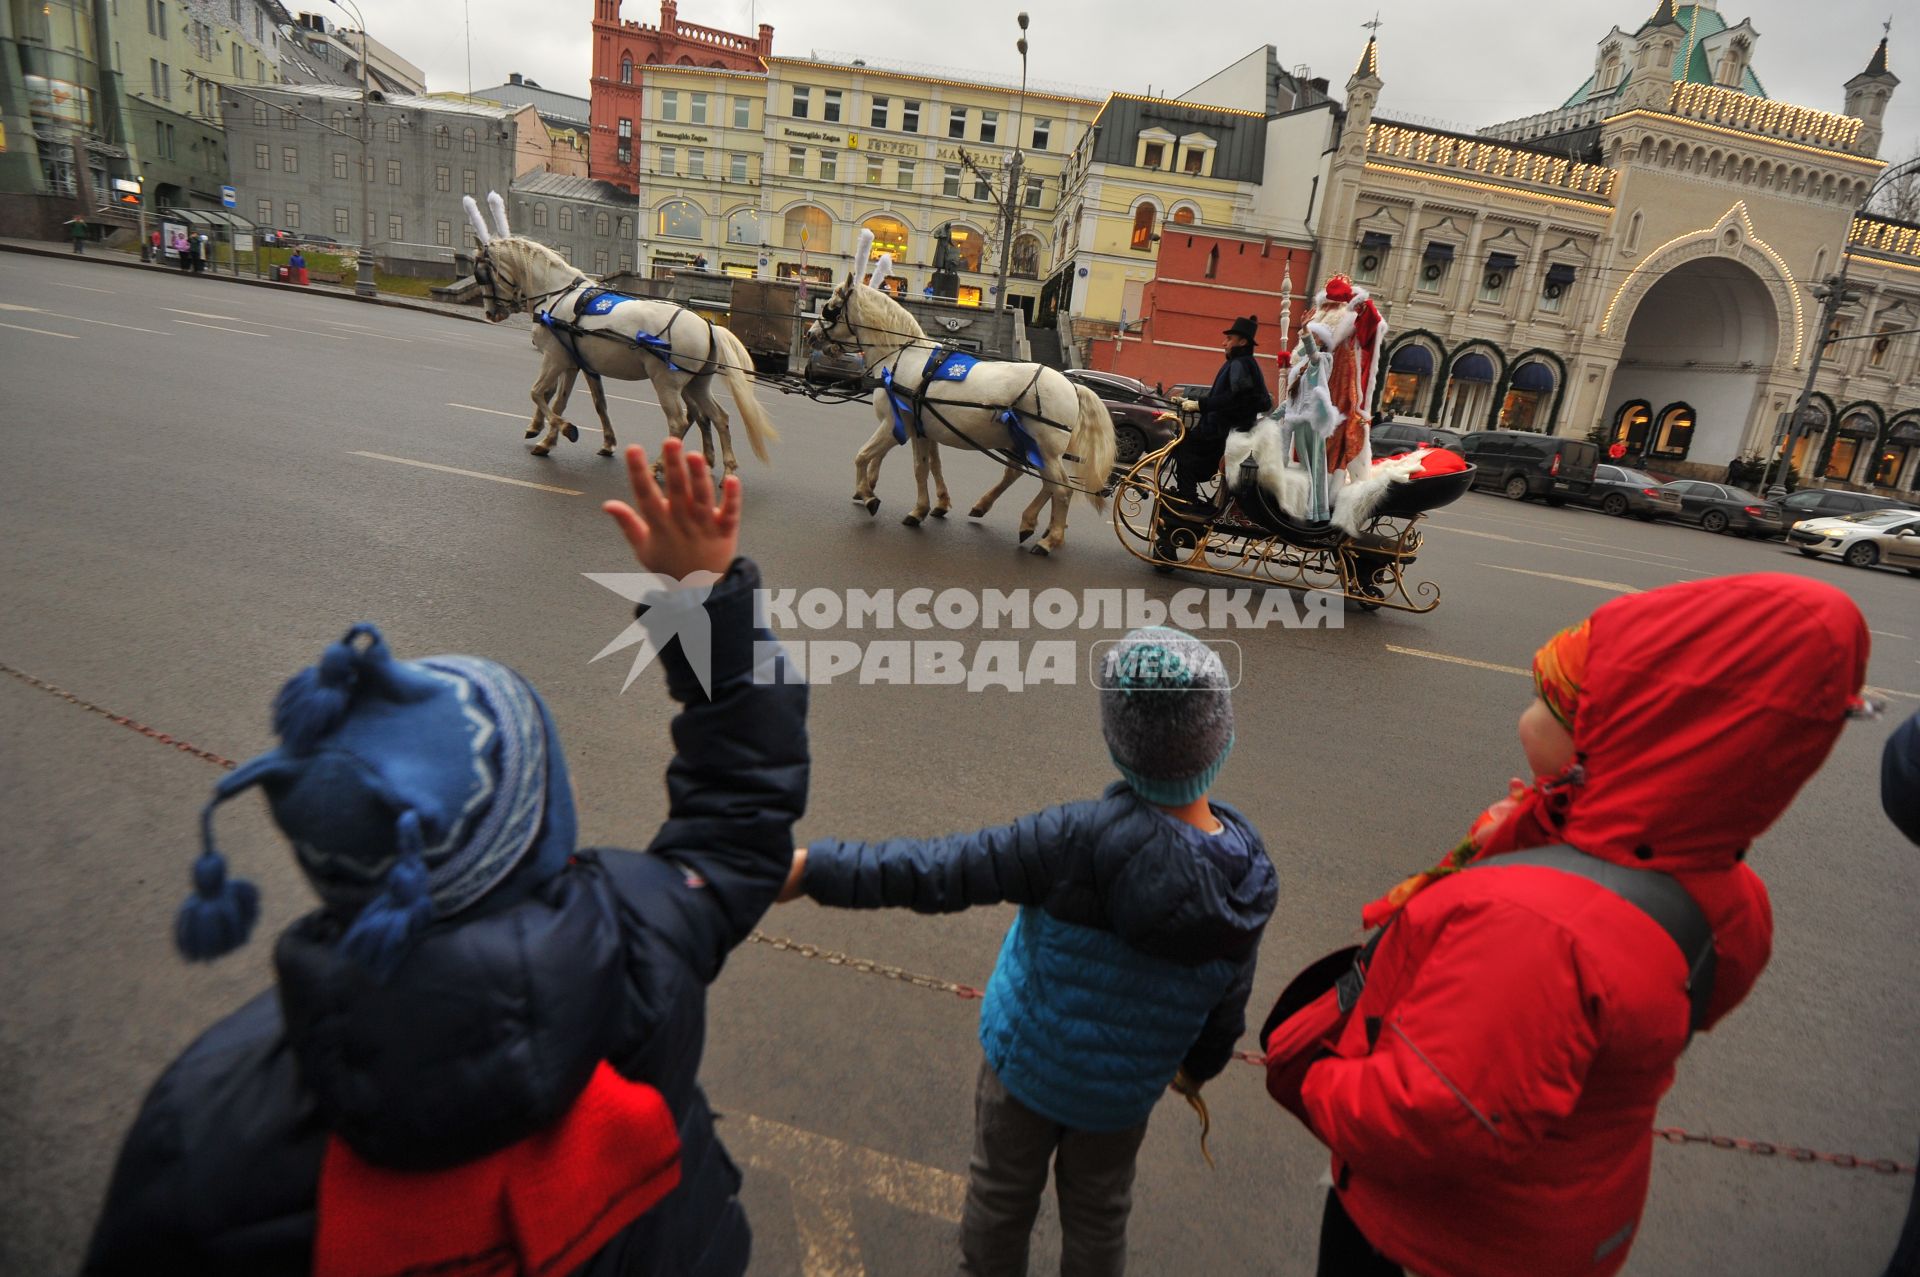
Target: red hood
[{"x": 1706, "y": 706}]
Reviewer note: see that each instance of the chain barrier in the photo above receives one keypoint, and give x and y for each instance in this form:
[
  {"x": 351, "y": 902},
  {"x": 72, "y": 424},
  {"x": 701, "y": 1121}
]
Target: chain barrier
[{"x": 967, "y": 992}]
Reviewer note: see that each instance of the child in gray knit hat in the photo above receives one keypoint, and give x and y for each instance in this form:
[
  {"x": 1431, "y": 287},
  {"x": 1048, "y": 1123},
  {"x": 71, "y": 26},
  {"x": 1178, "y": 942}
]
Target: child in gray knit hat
[{"x": 1126, "y": 970}]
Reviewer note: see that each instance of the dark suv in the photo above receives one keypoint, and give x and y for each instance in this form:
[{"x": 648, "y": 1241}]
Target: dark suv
[
  {"x": 1522, "y": 464},
  {"x": 1828, "y": 503},
  {"x": 1390, "y": 438}
]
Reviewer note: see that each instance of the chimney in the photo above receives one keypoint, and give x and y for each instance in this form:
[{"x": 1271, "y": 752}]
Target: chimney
[{"x": 513, "y": 77}]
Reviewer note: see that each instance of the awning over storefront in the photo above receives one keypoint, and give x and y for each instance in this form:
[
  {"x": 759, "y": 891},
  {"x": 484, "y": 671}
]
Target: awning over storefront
[
  {"x": 1858, "y": 425},
  {"x": 1904, "y": 432},
  {"x": 1473, "y": 367},
  {"x": 1416, "y": 360},
  {"x": 1533, "y": 376}
]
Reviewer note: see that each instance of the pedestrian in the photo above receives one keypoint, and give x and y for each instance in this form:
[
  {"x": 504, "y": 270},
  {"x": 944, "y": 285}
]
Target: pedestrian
[
  {"x": 183, "y": 250},
  {"x": 482, "y": 1050},
  {"x": 159, "y": 255},
  {"x": 1126, "y": 969},
  {"x": 297, "y": 267},
  {"x": 77, "y": 227},
  {"x": 1900, "y": 797},
  {"x": 1486, "y": 1074},
  {"x": 202, "y": 253},
  {"x": 1237, "y": 398}
]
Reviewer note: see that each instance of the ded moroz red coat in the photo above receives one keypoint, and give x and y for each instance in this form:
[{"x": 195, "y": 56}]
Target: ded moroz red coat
[{"x": 1489, "y": 1099}]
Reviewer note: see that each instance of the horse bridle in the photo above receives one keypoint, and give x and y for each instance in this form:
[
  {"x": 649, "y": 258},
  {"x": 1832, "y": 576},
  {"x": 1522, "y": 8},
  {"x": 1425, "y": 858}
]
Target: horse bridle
[{"x": 484, "y": 276}]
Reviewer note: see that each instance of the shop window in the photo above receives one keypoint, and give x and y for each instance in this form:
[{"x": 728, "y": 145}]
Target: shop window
[
  {"x": 1889, "y": 461},
  {"x": 968, "y": 295},
  {"x": 1469, "y": 392},
  {"x": 1409, "y": 373},
  {"x": 969, "y": 244},
  {"x": 1143, "y": 222},
  {"x": 745, "y": 227},
  {"x": 679, "y": 219},
  {"x": 807, "y": 227},
  {"x": 889, "y": 236},
  {"x": 1673, "y": 432},
  {"x": 1528, "y": 394},
  {"x": 1840, "y": 460},
  {"x": 1026, "y": 257},
  {"x": 1630, "y": 426}
]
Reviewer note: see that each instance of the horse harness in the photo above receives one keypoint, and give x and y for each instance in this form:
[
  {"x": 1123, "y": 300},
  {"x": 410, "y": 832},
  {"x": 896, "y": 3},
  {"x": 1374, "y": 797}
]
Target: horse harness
[
  {"x": 911, "y": 404},
  {"x": 592, "y": 299}
]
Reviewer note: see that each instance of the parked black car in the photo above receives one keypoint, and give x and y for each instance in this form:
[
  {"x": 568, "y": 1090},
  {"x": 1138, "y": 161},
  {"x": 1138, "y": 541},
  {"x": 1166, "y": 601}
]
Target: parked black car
[
  {"x": 1618, "y": 491},
  {"x": 1828, "y": 503},
  {"x": 1719, "y": 508},
  {"x": 835, "y": 368},
  {"x": 1523, "y": 464},
  {"x": 1142, "y": 420},
  {"x": 1391, "y": 438}
]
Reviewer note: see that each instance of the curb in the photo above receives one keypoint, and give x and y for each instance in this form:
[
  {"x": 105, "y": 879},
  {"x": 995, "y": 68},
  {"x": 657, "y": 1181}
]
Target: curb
[{"x": 305, "y": 290}]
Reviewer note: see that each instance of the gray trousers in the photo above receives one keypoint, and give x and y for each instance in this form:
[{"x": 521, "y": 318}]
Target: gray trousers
[{"x": 1092, "y": 1176}]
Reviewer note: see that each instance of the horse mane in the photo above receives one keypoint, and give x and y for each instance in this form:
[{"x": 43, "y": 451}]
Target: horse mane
[
  {"x": 530, "y": 254},
  {"x": 873, "y": 310}
]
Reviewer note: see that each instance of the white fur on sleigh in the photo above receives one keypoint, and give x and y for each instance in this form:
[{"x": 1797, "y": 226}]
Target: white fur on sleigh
[{"x": 1354, "y": 499}]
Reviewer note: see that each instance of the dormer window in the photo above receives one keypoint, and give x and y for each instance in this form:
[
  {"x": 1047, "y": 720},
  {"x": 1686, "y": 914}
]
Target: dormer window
[
  {"x": 1153, "y": 155},
  {"x": 1154, "y": 149}
]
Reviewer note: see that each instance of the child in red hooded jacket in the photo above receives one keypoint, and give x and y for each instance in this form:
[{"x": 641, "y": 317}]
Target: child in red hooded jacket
[{"x": 1487, "y": 1097}]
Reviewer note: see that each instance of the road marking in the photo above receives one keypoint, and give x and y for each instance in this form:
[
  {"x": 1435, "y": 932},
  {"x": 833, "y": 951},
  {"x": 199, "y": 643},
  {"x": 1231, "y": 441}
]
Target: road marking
[
  {"x": 1888, "y": 691},
  {"x": 82, "y": 319},
  {"x": 257, "y": 322},
  {"x": 1564, "y": 549},
  {"x": 1887, "y": 634},
  {"x": 471, "y": 474},
  {"x": 44, "y": 332},
  {"x": 82, "y": 287},
  {"x": 1615, "y": 586},
  {"x": 430, "y": 368},
  {"x": 216, "y": 327},
  {"x": 631, "y": 399},
  {"x": 1615, "y": 545},
  {"x": 826, "y": 1174},
  {"x": 1460, "y": 660},
  {"x": 517, "y": 416}
]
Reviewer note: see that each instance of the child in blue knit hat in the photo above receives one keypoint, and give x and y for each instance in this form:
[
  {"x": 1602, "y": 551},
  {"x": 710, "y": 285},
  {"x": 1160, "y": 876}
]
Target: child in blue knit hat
[
  {"x": 1127, "y": 968},
  {"x": 481, "y": 1053}
]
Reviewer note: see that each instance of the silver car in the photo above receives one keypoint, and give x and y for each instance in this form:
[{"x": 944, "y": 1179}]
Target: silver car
[{"x": 1891, "y": 537}]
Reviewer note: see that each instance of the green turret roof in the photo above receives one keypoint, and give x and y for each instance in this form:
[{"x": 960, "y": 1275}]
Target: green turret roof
[{"x": 1690, "y": 60}]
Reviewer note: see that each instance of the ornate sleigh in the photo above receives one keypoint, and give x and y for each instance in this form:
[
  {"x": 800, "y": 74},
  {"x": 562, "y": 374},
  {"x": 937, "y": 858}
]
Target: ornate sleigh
[{"x": 1243, "y": 533}]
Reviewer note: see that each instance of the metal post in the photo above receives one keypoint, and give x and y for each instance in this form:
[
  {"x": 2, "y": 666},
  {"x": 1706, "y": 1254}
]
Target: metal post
[{"x": 1010, "y": 213}]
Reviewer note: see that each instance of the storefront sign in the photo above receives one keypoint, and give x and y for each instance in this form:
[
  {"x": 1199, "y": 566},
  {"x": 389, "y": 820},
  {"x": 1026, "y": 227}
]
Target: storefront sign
[
  {"x": 951, "y": 154},
  {"x": 814, "y": 135},
  {"x": 60, "y": 100},
  {"x": 675, "y": 136},
  {"x": 887, "y": 146}
]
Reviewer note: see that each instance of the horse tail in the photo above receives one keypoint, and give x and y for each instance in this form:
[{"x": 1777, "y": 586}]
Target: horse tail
[
  {"x": 737, "y": 365},
  {"x": 1092, "y": 441}
]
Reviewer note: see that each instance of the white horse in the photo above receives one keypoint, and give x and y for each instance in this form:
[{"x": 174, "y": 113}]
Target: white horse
[
  {"x": 1070, "y": 430},
  {"x": 621, "y": 337}
]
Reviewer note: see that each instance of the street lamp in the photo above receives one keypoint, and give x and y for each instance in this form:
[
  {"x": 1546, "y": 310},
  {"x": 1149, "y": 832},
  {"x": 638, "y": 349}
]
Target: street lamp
[
  {"x": 1833, "y": 294},
  {"x": 1012, "y": 209}
]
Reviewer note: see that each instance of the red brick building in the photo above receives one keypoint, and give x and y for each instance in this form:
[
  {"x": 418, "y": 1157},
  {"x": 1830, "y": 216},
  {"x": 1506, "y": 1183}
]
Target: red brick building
[
  {"x": 621, "y": 53},
  {"x": 1202, "y": 280}
]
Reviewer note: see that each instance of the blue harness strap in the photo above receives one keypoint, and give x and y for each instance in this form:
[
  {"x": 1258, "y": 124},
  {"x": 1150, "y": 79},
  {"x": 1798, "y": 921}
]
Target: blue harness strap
[
  {"x": 1023, "y": 443},
  {"x": 899, "y": 417}
]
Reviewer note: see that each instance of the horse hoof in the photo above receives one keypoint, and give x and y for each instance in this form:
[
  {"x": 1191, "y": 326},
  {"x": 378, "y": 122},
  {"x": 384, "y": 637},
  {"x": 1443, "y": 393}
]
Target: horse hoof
[
  {"x": 1041, "y": 550},
  {"x": 912, "y": 520},
  {"x": 1027, "y": 532},
  {"x": 606, "y": 452},
  {"x": 531, "y": 432},
  {"x": 978, "y": 512},
  {"x": 940, "y": 513},
  {"x": 873, "y": 505},
  {"x": 540, "y": 451},
  {"x": 573, "y": 436}
]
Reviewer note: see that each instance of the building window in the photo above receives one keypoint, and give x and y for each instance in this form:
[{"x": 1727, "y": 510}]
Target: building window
[
  {"x": 737, "y": 167},
  {"x": 745, "y": 227},
  {"x": 262, "y": 156},
  {"x": 466, "y": 141},
  {"x": 802, "y": 100},
  {"x": 829, "y": 166},
  {"x": 443, "y": 232},
  {"x": 1143, "y": 220},
  {"x": 1493, "y": 281},
  {"x": 626, "y": 227},
  {"x": 442, "y": 138},
  {"x": 1026, "y": 257},
  {"x": 742, "y": 113},
  {"x": 1433, "y": 268},
  {"x": 626, "y": 262},
  {"x": 259, "y": 109},
  {"x": 1630, "y": 426},
  {"x": 393, "y": 129},
  {"x": 989, "y": 125},
  {"x": 1553, "y": 293},
  {"x": 566, "y": 217},
  {"x": 796, "y": 161},
  {"x": 1409, "y": 373},
  {"x": 665, "y": 158},
  {"x": 293, "y": 215},
  {"x": 950, "y": 181},
  {"x": 393, "y": 172},
  {"x": 981, "y": 190},
  {"x": 1042, "y": 134},
  {"x": 1673, "y": 435},
  {"x": 340, "y": 166},
  {"x": 1882, "y": 346},
  {"x": 876, "y": 170},
  {"x": 396, "y": 228},
  {"x": 956, "y": 121},
  {"x": 807, "y": 227},
  {"x": 599, "y": 261},
  {"x": 624, "y": 131},
  {"x": 1194, "y": 161},
  {"x": 830, "y": 106},
  {"x": 696, "y": 108},
  {"x": 468, "y": 184},
  {"x": 1529, "y": 390},
  {"x": 696, "y": 163},
  {"x": 289, "y": 160},
  {"x": 166, "y": 82},
  {"x": 1213, "y": 262},
  {"x": 1036, "y": 187},
  {"x": 1371, "y": 257},
  {"x": 341, "y": 221},
  {"x": 602, "y": 223},
  {"x": 1153, "y": 155},
  {"x": 878, "y": 116},
  {"x": 442, "y": 178},
  {"x": 626, "y": 68},
  {"x": 263, "y": 212},
  {"x": 889, "y": 236},
  {"x": 670, "y": 104},
  {"x": 239, "y": 61},
  {"x": 289, "y": 117},
  {"x": 679, "y": 219},
  {"x": 909, "y": 117},
  {"x": 969, "y": 244},
  {"x": 539, "y": 214}
]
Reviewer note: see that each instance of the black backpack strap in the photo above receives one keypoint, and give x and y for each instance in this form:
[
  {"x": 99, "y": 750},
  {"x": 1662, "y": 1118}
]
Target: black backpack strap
[{"x": 1658, "y": 895}]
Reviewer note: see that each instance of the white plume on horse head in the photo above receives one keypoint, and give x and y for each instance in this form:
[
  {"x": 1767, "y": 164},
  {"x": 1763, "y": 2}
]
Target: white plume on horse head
[
  {"x": 861, "y": 250},
  {"x": 479, "y": 222},
  {"x": 881, "y": 269},
  {"x": 499, "y": 207}
]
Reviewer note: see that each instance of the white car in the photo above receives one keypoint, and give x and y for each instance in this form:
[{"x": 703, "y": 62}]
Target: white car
[{"x": 1891, "y": 537}]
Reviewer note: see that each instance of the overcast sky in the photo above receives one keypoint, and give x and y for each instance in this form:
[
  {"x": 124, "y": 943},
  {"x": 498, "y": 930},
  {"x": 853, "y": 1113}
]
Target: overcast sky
[{"x": 1466, "y": 63}]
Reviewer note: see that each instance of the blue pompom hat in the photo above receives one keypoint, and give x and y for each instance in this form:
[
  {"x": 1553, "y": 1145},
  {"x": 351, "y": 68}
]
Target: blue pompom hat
[{"x": 410, "y": 790}]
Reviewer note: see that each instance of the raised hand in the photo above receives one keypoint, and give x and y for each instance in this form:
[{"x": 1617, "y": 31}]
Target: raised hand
[{"x": 673, "y": 527}]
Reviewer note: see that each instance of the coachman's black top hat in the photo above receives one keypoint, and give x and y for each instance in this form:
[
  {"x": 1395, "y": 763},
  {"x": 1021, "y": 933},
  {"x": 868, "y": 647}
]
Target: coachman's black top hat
[{"x": 1245, "y": 326}]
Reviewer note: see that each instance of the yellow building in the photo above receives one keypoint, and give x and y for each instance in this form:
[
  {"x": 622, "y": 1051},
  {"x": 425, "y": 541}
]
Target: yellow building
[{"x": 700, "y": 149}]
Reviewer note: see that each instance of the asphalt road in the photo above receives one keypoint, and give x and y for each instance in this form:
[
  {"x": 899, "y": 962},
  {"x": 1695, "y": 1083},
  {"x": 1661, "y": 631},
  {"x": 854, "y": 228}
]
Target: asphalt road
[{"x": 204, "y": 483}]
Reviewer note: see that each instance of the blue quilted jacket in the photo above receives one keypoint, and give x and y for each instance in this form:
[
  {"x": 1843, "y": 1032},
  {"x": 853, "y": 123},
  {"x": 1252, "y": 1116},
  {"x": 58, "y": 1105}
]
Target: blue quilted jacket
[{"x": 1132, "y": 954}]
